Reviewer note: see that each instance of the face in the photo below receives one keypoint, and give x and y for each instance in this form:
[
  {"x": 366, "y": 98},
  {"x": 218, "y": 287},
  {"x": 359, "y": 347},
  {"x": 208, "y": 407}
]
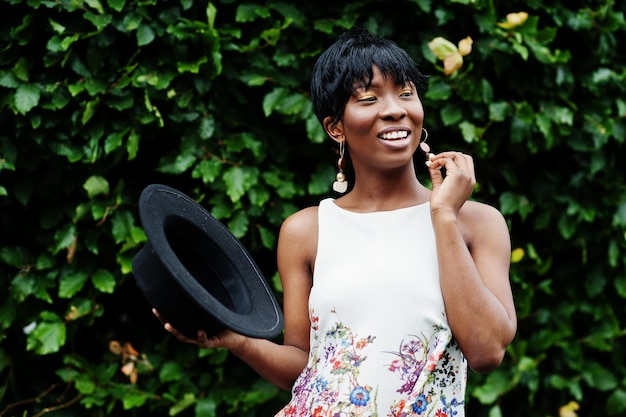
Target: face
[{"x": 382, "y": 124}]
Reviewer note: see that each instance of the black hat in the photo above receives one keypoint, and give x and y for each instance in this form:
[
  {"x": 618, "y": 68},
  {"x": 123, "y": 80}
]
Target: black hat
[{"x": 196, "y": 273}]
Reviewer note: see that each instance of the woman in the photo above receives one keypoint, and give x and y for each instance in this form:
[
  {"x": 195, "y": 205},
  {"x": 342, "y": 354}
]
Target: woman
[{"x": 393, "y": 289}]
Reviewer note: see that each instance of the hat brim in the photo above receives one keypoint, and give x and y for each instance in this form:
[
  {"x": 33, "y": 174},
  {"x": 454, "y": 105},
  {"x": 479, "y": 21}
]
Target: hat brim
[{"x": 196, "y": 273}]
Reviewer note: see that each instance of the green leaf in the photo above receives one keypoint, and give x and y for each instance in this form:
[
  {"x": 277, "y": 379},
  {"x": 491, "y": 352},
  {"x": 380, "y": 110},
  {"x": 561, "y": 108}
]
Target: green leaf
[
  {"x": 238, "y": 180},
  {"x": 499, "y": 111},
  {"x": 238, "y": 224},
  {"x": 96, "y": 185},
  {"x": 206, "y": 128},
  {"x": 207, "y": 170},
  {"x": 57, "y": 27},
  {"x": 314, "y": 130},
  {"x": 451, "y": 115},
  {"x": 20, "y": 69},
  {"x": 64, "y": 237},
  {"x": 8, "y": 80},
  {"x": 48, "y": 337},
  {"x": 15, "y": 256},
  {"x": 95, "y": 4},
  {"x": 114, "y": 141},
  {"x": 211, "y": 13},
  {"x": 123, "y": 225},
  {"x": 59, "y": 43},
  {"x": 470, "y": 132},
  {"x": 567, "y": 226},
  {"x": 206, "y": 407},
  {"x": 133, "y": 399},
  {"x": 258, "y": 195},
  {"x": 616, "y": 403},
  {"x": 495, "y": 411},
  {"x": 26, "y": 97},
  {"x": 7, "y": 316},
  {"x": 95, "y": 86},
  {"x": 250, "y": 12},
  {"x": 192, "y": 66},
  {"x": 170, "y": 371},
  {"x": 497, "y": 383},
  {"x": 274, "y": 99},
  {"x": 117, "y": 5},
  {"x": 268, "y": 238},
  {"x": 103, "y": 281},
  {"x": 569, "y": 384},
  {"x": 619, "y": 218},
  {"x": 599, "y": 377},
  {"x": 188, "y": 400},
  {"x": 90, "y": 110},
  {"x": 321, "y": 180},
  {"x": 100, "y": 21},
  {"x": 72, "y": 283},
  {"x": 84, "y": 384},
  {"x": 438, "y": 90},
  {"x": 80, "y": 307},
  {"x": 145, "y": 35},
  {"x": 511, "y": 203},
  {"x": 243, "y": 141}
]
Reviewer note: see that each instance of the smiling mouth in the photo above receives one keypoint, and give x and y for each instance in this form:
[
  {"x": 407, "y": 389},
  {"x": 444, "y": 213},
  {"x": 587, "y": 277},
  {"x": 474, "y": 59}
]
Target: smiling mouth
[{"x": 395, "y": 135}]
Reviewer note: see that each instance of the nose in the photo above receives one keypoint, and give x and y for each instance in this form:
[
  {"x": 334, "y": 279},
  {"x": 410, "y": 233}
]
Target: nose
[{"x": 392, "y": 109}]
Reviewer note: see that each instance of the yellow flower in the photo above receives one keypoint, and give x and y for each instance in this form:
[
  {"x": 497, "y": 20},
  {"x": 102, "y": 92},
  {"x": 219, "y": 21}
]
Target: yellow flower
[
  {"x": 442, "y": 47},
  {"x": 569, "y": 410},
  {"x": 465, "y": 46},
  {"x": 514, "y": 20},
  {"x": 451, "y": 56},
  {"x": 517, "y": 255},
  {"x": 452, "y": 63}
]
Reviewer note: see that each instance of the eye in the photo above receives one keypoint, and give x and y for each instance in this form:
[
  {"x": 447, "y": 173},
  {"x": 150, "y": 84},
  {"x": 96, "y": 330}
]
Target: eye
[
  {"x": 406, "y": 93},
  {"x": 366, "y": 99}
]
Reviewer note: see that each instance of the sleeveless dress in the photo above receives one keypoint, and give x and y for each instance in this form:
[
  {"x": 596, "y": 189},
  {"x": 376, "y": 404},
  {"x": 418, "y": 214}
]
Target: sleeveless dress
[{"x": 380, "y": 341}]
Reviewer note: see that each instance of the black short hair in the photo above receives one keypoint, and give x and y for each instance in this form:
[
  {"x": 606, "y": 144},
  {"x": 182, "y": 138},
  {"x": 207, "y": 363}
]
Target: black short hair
[{"x": 348, "y": 63}]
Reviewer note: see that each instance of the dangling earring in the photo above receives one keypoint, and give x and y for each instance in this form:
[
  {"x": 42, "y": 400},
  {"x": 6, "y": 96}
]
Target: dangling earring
[
  {"x": 425, "y": 147},
  {"x": 341, "y": 185}
]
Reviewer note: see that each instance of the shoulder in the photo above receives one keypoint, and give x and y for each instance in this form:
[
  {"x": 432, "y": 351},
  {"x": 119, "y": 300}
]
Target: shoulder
[
  {"x": 301, "y": 223},
  {"x": 298, "y": 235},
  {"x": 475, "y": 210},
  {"x": 297, "y": 249},
  {"x": 483, "y": 222}
]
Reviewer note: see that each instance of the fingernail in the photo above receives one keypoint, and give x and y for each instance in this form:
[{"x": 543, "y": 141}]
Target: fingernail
[{"x": 428, "y": 163}]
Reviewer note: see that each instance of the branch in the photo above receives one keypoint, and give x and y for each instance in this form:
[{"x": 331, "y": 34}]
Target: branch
[
  {"x": 29, "y": 400},
  {"x": 58, "y": 407}
]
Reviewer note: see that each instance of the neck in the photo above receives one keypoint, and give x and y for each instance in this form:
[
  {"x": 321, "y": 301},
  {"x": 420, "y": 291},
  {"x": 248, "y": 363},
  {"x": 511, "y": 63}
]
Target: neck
[{"x": 382, "y": 193}]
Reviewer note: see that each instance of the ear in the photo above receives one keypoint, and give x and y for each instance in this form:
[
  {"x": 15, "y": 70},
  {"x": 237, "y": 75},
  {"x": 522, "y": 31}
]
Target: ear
[{"x": 334, "y": 130}]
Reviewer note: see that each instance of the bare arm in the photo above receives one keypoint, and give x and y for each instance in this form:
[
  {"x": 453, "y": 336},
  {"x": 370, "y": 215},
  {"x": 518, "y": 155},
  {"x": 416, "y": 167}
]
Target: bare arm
[
  {"x": 278, "y": 364},
  {"x": 473, "y": 247}
]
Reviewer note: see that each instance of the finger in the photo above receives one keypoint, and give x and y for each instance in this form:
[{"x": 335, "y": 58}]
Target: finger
[
  {"x": 202, "y": 338},
  {"x": 180, "y": 336},
  {"x": 446, "y": 156},
  {"x": 171, "y": 329},
  {"x": 469, "y": 161},
  {"x": 453, "y": 160},
  {"x": 435, "y": 164}
]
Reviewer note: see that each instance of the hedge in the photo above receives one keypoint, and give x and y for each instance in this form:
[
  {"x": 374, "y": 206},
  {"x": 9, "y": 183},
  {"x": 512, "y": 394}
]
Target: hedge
[{"x": 99, "y": 98}]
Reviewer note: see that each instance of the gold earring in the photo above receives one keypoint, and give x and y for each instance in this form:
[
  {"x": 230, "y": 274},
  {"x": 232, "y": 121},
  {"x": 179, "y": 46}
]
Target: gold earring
[
  {"x": 425, "y": 147},
  {"x": 341, "y": 185}
]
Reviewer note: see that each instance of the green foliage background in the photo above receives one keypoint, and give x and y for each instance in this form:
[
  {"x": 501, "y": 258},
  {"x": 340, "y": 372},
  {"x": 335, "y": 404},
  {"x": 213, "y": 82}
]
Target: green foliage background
[{"x": 99, "y": 98}]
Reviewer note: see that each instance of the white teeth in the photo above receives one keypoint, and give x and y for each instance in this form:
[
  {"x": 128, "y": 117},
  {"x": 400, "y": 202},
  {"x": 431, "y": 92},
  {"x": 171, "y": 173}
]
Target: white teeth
[{"x": 395, "y": 135}]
